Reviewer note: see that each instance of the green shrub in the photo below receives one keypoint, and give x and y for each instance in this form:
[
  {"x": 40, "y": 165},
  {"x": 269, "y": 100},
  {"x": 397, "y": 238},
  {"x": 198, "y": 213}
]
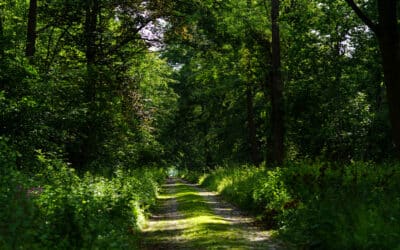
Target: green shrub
[
  {"x": 190, "y": 175},
  {"x": 58, "y": 209},
  {"x": 318, "y": 204},
  {"x": 348, "y": 207}
]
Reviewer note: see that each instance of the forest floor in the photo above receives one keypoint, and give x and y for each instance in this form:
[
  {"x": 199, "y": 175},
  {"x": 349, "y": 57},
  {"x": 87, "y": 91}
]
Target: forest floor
[{"x": 189, "y": 217}]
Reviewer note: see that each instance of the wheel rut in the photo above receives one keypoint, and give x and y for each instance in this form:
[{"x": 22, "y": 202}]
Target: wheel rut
[{"x": 190, "y": 217}]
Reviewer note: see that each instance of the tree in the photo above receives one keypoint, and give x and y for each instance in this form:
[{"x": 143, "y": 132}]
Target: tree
[
  {"x": 251, "y": 126},
  {"x": 31, "y": 30},
  {"x": 91, "y": 35},
  {"x": 277, "y": 103},
  {"x": 1, "y": 34},
  {"x": 388, "y": 36},
  {"x": 80, "y": 97}
]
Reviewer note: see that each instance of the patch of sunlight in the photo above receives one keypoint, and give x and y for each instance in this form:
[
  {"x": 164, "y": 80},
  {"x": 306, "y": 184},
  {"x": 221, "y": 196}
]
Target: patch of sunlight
[
  {"x": 223, "y": 209},
  {"x": 207, "y": 193},
  {"x": 163, "y": 225},
  {"x": 224, "y": 183},
  {"x": 187, "y": 222},
  {"x": 165, "y": 196},
  {"x": 206, "y": 219},
  {"x": 206, "y": 228},
  {"x": 202, "y": 227},
  {"x": 202, "y": 178},
  {"x": 182, "y": 194},
  {"x": 197, "y": 226},
  {"x": 212, "y": 202}
]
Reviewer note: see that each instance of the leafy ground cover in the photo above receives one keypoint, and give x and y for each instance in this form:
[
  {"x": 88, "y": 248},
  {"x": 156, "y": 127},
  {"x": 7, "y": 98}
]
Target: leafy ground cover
[
  {"x": 318, "y": 205},
  {"x": 56, "y": 208}
]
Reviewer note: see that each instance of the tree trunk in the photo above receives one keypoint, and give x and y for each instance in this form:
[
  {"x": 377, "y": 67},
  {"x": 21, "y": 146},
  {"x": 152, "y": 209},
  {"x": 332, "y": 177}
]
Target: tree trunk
[
  {"x": 1, "y": 35},
  {"x": 90, "y": 33},
  {"x": 90, "y": 30},
  {"x": 31, "y": 30},
  {"x": 277, "y": 112},
  {"x": 387, "y": 33},
  {"x": 388, "y": 37},
  {"x": 251, "y": 126}
]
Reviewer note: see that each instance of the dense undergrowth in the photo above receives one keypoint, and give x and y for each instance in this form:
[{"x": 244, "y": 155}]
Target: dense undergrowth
[
  {"x": 57, "y": 208},
  {"x": 318, "y": 205}
]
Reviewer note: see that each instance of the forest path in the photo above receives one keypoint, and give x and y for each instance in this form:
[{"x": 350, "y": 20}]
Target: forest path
[{"x": 189, "y": 217}]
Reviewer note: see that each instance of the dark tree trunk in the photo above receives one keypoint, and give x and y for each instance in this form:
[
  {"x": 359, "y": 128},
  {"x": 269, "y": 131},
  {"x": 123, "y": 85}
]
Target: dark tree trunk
[
  {"x": 251, "y": 126},
  {"x": 90, "y": 33},
  {"x": 31, "y": 30},
  {"x": 277, "y": 112},
  {"x": 388, "y": 37},
  {"x": 92, "y": 9},
  {"x": 266, "y": 85},
  {"x": 387, "y": 33},
  {"x": 1, "y": 35}
]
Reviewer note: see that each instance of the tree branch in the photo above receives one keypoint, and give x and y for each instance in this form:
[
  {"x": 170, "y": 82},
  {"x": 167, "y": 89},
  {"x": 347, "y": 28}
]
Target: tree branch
[
  {"x": 124, "y": 41},
  {"x": 363, "y": 16}
]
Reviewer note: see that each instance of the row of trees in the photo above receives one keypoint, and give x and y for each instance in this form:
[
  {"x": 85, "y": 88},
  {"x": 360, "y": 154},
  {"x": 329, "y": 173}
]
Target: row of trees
[
  {"x": 79, "y": 83},
  {"x": 257, "y": 80},
  {"x": 332, "y": 94}
]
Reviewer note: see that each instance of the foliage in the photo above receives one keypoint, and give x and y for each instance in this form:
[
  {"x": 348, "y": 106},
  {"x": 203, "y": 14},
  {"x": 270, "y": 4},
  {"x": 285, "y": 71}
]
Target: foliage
[
  {"x": 109, "y": 112},
  {"x": 56, "y": 208},
  {"x": 334, "y": 94},
  {"x": 80, "y": 134},
  {"x": 318, "y": 205},
  {"x": 115, "y": 87}
]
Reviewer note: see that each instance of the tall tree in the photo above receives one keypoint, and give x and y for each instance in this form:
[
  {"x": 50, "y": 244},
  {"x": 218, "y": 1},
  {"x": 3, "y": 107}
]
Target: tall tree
[
  {"x": 90, "y": 34},
  {"x": 251, "y": 126},
  {"x": 1, "y": 34},
  {"x": 277, "y": 113},
  {"x": 31, "y": 29},
  {"x": 388, "y": 36}
]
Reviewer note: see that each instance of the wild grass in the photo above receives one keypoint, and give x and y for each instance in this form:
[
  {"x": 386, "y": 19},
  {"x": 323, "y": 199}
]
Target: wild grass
[
  {"x": 58, "y": 209},
  {"x": 318, "y": 205}
]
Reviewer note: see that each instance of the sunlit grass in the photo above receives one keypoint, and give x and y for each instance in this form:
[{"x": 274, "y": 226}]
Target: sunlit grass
[
  {"x": 196, "y": 225},
  {"x": 203, "y": 229}
]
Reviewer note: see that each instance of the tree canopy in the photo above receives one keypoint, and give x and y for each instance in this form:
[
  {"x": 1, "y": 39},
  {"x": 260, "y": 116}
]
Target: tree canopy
[
  {"x": 196, "y": 82},
  {"x": 97, "y": 96}
]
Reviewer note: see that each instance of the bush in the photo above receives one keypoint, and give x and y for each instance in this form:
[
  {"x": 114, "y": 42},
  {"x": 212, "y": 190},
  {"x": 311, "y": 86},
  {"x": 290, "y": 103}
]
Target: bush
[
  {"x": 319, "y": 205},
  {"x": 57, "y": 208},
  {"x": 347, "y": 207}
]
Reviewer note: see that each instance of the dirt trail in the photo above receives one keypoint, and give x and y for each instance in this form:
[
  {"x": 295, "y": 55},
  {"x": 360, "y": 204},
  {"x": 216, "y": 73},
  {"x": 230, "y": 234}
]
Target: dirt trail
[
  {"x": 161, "y": 229},
  {"x": 223, "y": 227}
]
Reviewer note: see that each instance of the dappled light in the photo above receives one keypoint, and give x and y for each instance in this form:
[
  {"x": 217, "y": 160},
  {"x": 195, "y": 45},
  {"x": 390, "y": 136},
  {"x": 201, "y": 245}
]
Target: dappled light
[
  {"x": 194, "y": 218},
  {"x": 207, "y": 124},
  {"x": 172, "y": 171}
]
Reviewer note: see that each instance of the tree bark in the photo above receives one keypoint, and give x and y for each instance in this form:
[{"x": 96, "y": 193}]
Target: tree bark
[
  {"x": 387, "y": 33},
  {"x": 1, "y": 35},
  {"x": 90, "y": 30},
  {"x": 388, "y": 38},
  {"x": 277, "y": 102},
  {"x": 31, "y": 30},
  {"x": 90, "y": 33},
  {"x": 251, "y": 126}
]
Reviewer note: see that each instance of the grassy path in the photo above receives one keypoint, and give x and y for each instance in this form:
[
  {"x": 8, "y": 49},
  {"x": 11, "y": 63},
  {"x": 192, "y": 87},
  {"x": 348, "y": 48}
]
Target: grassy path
[{"x": 188, "y": 217}]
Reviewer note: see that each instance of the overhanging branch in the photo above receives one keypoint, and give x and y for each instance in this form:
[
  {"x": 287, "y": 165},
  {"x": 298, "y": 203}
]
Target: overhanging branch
[{"x": 363, "y": 16}]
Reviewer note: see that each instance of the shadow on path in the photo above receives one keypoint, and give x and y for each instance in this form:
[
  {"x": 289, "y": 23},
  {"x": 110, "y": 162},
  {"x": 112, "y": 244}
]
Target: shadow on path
[{"x": 188, "y": 217}]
